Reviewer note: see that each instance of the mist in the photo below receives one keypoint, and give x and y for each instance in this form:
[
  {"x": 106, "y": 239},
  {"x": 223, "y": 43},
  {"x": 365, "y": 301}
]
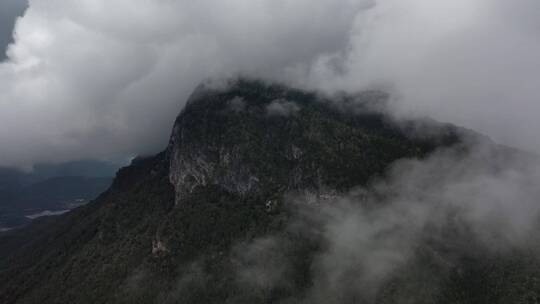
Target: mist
[
  {"x": 409, "y": 229},
  {"x": 105, "y": 79}
]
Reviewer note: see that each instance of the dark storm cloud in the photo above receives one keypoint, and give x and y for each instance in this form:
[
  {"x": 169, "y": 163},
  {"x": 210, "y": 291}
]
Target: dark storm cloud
[{"x": 9, "y": 11}]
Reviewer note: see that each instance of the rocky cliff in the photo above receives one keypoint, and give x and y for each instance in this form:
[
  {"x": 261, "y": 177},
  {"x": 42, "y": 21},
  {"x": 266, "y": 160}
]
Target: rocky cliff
[{"x": 195, "y": 223}]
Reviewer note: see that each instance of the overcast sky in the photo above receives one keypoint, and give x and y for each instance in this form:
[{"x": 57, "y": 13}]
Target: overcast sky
[
  {"x": 9, "y": 11},
  {"x": 105, "y": 78}
]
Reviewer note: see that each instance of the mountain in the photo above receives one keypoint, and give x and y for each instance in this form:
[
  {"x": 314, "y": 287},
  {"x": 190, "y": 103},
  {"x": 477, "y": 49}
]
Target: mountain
[
  {"x": 212, "y": 218},
  {"x": 12, "y": 177},
  {"x": 80, "y": 168},
  {"x": 50, "y": 188}
]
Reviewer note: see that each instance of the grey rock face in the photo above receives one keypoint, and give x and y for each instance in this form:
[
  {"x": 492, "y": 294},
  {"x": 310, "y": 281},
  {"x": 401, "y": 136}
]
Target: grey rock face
[
  {"x": 230, "y": 163},
  {"x": 320, "y": 146}
]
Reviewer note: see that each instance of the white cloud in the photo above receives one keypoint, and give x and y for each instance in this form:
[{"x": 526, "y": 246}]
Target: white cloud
[
  {"x": 98, "y": 79},
  {"x": 473, "y": 63},
  {"x": 485, "y": 198},
  {"x": 101, "y": 79}
]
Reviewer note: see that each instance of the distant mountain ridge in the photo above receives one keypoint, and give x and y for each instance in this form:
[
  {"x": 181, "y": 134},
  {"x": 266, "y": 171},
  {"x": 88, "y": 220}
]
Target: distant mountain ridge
[{"x": 50, "y": 187}]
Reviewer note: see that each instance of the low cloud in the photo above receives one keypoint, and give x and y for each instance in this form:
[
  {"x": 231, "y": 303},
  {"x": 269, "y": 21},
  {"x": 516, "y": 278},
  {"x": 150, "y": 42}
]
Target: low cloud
[
  {"x": 105, "y": 79},
  {"x": 262, "y": 264},
  {"x": 480, "y": 201},
  {"x": 282, "y": 108}
]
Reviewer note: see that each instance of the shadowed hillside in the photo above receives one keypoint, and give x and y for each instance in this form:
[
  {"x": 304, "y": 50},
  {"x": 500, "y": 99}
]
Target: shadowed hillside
[{"x": 238, "y": 208}]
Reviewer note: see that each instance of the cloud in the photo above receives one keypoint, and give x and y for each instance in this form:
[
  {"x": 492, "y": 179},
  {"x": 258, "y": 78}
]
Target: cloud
[
  {"x": 262, "y": 264},
  {"x": 282, "y": 108},
  {"x": 424, "y": 216},
  {"x": 472, "y": 63},
  {"x": 9, "y": 11},
  {"x": 105, "y": 79},
  {"x": 95, "y": 79}
]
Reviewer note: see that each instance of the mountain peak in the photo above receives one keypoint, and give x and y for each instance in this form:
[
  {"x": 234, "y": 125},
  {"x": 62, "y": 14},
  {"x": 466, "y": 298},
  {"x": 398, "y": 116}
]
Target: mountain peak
[
  {"x": 236, "y": 152},
  {"x": 251, "y": 137}
]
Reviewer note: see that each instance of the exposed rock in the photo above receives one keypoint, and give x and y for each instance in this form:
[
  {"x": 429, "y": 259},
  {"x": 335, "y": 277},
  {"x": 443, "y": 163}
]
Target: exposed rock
[
  {"x": 179, "y": 217},
  {"x": 323, "y": 145}
]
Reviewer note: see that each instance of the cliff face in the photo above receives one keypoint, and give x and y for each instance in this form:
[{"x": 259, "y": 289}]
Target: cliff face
[
  {"x": 171, "y": 228},
  {"x": 256, "y": 139}
]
